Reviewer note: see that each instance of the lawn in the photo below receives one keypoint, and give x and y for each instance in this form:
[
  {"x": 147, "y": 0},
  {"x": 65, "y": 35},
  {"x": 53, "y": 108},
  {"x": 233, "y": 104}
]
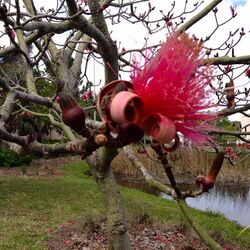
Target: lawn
[{"x": 31, "y": 206}]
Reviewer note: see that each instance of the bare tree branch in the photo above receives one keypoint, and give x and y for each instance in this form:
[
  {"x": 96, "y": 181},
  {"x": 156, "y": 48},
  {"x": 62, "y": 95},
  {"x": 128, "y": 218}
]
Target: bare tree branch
[
  {"x": 199, "y": 16},
  {"x": 225, "y": 60}
]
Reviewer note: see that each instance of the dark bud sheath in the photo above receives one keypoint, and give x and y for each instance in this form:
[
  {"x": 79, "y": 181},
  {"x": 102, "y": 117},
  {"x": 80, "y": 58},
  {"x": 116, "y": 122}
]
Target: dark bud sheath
[
  {"x": 72, "y": 114},
  {"x": 129, "y": 133},
  {"x": 157, "y": 147}
]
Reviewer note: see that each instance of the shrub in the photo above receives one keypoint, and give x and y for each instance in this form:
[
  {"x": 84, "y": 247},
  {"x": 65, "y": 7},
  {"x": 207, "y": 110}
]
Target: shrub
[{"x": 11, "y": 159}]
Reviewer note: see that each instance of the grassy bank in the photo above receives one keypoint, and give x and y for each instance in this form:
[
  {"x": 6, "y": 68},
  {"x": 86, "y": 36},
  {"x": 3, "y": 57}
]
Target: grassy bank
[{"x": 30, "y": 207}]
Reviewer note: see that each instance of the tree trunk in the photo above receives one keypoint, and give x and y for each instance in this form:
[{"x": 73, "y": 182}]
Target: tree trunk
[{"x": 115, "y": 211}]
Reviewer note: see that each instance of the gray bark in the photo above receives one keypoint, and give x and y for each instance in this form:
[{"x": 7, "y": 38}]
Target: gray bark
[{"x": 115, "y": 212}]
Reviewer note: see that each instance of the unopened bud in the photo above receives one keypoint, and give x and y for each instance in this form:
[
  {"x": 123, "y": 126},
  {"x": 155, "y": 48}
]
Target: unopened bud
[{"x": 101, "y": 139}]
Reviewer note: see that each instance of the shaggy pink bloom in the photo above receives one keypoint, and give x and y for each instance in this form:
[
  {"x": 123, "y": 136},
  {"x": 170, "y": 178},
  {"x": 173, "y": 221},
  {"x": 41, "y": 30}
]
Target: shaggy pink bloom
[{"x": 174, "y": 84}]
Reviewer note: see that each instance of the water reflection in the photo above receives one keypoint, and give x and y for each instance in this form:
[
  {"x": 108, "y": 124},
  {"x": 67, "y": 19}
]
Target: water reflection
[{"x": 233, "y": 201}]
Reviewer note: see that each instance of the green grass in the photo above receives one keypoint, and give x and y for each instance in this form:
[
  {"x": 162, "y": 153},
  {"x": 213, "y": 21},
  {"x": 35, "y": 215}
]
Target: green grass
[{"x": 30, "y": 206}]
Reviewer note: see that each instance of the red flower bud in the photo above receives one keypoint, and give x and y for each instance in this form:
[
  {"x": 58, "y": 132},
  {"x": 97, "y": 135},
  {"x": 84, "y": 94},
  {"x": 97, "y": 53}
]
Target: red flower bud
[
  {"x": 228, "y": 150},
  {"x": 233, "y": 156},
  {"x": 72, "y": 114},
  {"x": 248, "y": 73}
]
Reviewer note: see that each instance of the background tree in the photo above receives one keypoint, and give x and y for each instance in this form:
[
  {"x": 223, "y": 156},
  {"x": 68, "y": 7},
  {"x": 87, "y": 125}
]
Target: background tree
[{"x": 52, "y": 49}]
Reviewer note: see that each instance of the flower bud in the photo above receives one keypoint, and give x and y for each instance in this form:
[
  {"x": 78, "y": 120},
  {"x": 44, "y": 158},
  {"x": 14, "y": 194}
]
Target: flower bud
[
  {"x": 101, "y": 139},
  {"x": 72, "y": 114},
  {"x": 203, "y": 183},
  {"x": 208, "y": 181},
  {"x": 230, "y": 94}
]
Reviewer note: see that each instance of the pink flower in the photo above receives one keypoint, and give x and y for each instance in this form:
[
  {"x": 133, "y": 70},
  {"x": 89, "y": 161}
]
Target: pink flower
[
  {"x": 123, "y": 50},
  {"x": 233, "y": 156},
  {"x": 173, "y": 84},
  {"x": 228, "y": 150},
  {"x": 27, "y": 114},
  {"x": 86, "y": 95},
  {"x": 66, "y": 242}
]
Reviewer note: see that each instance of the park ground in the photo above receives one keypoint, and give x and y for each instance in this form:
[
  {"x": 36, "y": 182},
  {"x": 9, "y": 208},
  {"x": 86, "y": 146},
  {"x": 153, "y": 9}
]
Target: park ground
[{"x": 53, "y": 204}]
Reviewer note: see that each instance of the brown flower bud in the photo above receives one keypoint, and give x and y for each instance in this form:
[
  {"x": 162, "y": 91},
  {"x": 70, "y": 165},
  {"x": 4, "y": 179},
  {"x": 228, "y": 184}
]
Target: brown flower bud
[
  {"x": 230, "y": 94},
  {"x": 101, "y": 139},
  {"x": 208, "y": 181}
]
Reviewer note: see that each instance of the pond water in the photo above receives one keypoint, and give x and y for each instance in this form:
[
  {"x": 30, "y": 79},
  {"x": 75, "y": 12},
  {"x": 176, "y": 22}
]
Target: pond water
[{"x": 232, "y": 200}]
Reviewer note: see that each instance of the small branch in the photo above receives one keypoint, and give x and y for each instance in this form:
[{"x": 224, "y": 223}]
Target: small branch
[
  {"x": 199, "y": 16},
  {"x": 153, "y": 182},
  {"x": 100, "y": 33},
  {"x": 225, "y": 60},
  {"x": 5, "y": 135},
  {"x": 239, "y": 135},
  {"x": 76, "y": 67},
  {"x": 61, "y": 125},
  {"x": 224, "y": 132},
  {"x": 32, "y": 38},
  {"x": 7, "y": 106},
  {"x": 118, "y": 5},
  {"x": 147, "y": 176},
  {"x": 36, "y": 99},
  {"x": 157, "y": 147},
  {"x": 4, "y": 84},
  {"x": 227, "y": 112},
  {"x": 203, "y": 234},
  {"x": 47, "y": 148},
  {"x": 72, "y": 45}
]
